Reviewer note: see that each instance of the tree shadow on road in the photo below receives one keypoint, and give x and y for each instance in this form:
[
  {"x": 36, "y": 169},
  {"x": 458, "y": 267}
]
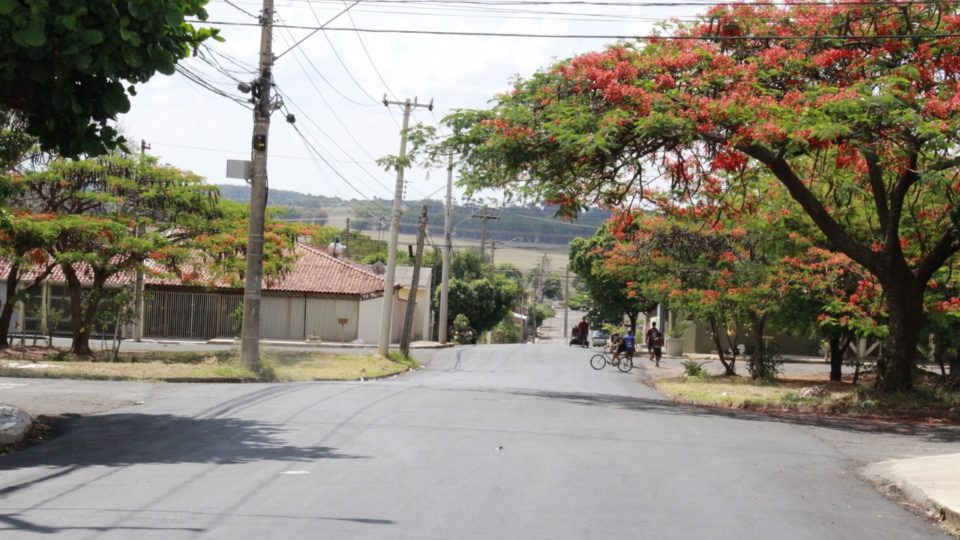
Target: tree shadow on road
[
  {"x": 129, "y": 439},
  {"x": 929, "y": 432}
]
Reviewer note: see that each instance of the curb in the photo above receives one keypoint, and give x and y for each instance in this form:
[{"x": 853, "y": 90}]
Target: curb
[
  {"x": 326, "y": 344},
  {"x": 887, "y": 477}
]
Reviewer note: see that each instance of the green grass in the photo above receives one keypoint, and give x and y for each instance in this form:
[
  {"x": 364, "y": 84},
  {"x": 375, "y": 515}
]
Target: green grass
[
  {"x": 929, "y": 400},
  {"x": 281, "y": 366}
]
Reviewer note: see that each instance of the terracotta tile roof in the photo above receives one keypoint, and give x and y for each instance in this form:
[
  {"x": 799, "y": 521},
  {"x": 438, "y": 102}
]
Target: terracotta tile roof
[{"x": 315, "y": 272}]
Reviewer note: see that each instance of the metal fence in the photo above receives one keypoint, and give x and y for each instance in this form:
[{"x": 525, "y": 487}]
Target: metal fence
[{"x": 199, "y": 315}]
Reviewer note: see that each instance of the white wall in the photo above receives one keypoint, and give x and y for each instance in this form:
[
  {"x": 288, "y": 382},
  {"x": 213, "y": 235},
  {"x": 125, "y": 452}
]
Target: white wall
[{"x": 368, "y": 326}]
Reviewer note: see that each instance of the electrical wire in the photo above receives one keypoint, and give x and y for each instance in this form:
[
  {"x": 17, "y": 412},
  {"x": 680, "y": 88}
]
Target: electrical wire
[
  {"x": 642, "y": 37},
  {"x": 240, "y": 9}
]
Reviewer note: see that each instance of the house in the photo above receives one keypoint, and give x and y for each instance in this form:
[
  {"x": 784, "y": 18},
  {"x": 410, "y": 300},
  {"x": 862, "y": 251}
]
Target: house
[{"x": 323, "y": 297}]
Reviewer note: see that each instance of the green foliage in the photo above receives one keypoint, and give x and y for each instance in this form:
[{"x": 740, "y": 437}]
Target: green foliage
[
  {"x": 399, "y": 358},
  {"x": 466, "y": 265},
  {"x": 610, "y": 291},
  {"x": 484, "y": 302},
  {"x": 462, "y": 332},
  {"x": 67, "y": 66},
  {"x": 507, "y": 331},
  {"x": 692, "y": 368},
  {"x": 767, "y": 363},
  {"x": 540, "y": 313}
]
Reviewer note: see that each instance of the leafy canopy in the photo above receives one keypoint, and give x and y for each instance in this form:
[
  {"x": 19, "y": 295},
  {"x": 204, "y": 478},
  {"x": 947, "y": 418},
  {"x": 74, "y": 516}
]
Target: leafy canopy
[{"x": 67, "y": 66}]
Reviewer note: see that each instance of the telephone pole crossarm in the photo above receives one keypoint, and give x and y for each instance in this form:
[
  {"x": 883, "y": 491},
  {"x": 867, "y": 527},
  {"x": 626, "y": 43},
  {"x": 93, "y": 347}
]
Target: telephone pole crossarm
[{"x": 389, "y": 279}]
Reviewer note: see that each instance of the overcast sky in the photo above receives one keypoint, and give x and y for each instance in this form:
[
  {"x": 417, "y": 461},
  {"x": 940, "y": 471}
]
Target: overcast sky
[{"x": 337, "y": 100}]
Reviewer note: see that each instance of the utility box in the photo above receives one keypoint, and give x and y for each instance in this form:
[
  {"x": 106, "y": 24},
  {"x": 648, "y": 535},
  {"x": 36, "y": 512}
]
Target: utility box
[{"x": 239, "y": 168}]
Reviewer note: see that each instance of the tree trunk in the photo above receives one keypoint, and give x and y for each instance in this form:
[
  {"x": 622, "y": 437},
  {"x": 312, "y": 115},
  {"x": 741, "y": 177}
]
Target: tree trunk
[
  {"x": 6, "y": 314},
  {"x": 633, "y": 315},
  {"x": 955, "y": 366},
  {"x": 836, "y": 357},
  {"x": 728, "y": 367},
  {"x": 757, "y": 357},
  {"x": 79, "y": 332},
  {"x": 905, "y": 307}
]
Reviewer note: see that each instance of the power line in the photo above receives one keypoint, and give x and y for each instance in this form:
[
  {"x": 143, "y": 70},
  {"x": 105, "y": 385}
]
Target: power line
[
  {"x": 642, "y": 37},
  {"x": 337, "y": 54},
  {"x": 240, "y": 9}
]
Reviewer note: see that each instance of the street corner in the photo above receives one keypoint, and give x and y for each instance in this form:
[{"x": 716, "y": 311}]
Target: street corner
[
  {"x": 15, "y": 425},
  {"x": 931, "y": 483}
]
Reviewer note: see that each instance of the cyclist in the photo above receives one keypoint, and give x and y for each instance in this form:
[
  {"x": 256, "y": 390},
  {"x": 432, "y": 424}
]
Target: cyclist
[{"x": 616, "y": 346}]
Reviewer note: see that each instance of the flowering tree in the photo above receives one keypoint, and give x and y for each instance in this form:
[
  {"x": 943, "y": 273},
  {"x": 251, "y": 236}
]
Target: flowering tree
[
  {"x": 609, "y": 280},
  {"x": 853, "y": 107}
]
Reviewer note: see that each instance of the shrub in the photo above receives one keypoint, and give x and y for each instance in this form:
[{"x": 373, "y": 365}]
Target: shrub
[
  {"x": 768, "y": 364},
  {"x": 692, "y": 368}
]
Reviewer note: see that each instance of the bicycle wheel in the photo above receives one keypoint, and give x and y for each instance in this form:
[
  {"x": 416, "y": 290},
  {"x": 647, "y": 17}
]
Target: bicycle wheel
[
  {"x": 625, "y": 364},
  {"x": 597, "y": 361}
]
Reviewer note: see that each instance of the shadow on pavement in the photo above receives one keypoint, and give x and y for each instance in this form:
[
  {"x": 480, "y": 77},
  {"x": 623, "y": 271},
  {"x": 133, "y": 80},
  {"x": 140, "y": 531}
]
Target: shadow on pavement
[
  {"x": 932, "y": 433},
  {"x": 128, "y": 439}
]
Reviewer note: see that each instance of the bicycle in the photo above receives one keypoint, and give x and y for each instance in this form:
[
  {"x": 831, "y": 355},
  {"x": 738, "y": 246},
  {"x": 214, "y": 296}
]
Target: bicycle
[{"x": 601, "y": 359}]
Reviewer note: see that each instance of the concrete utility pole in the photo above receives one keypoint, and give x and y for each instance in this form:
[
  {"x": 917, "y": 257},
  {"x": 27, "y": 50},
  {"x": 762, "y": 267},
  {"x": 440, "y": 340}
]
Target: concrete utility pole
[
  {"x": 346, "y": 236},
  {"x": 447, "y": 249},
  {"x": 138, "y": 283},
  {"x": 566, "y": 300},
  {"x": 485, "y": 216},
  {"x": 414, "y": 285},
  {"x": 253, "y": 279},
  {"x": 389, "y": 279}
]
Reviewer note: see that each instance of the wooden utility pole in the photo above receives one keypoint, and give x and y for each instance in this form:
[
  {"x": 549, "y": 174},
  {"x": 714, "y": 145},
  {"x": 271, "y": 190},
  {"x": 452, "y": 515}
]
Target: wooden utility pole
[
  {"x": 389, "y": 280},
  {"x": 447, "y": 251},
  {"x": 485, "y": 216},
  {"x": 414, "y": 285}
]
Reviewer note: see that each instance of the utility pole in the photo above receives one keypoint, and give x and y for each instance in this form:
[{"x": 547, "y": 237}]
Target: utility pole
[
  {"x": 389, "y": 278},
  {"x": 447, "y": 249},
  {"x": 138, "y": 283},
  {"x": 262, "y": 107},
  {"x": 346, "y": 236},
  {"x": 414, "y": 285},
  {"x": 485, "y": 216},
  {"x": 566, "y": 299}
]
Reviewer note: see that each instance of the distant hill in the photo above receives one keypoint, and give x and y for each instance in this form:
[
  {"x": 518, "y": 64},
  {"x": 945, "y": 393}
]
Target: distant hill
[
  {"x": 516, "y": 224},
  {"x": 279, "y": 197},
  {"x": 311, "y": 208}
]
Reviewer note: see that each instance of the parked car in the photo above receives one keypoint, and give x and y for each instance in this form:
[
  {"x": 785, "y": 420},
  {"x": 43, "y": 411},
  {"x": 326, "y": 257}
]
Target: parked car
[{"x": 600, "y": 338}]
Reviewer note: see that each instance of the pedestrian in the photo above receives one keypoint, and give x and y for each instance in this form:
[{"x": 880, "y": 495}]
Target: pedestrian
[
  {"x": 654, "y": 341},
  {"x": 584, "y": 328},
  {"x": 630, "y": 344}
]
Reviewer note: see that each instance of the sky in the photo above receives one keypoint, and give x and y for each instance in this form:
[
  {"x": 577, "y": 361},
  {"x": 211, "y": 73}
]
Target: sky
[{"x": 334, "y": 81}]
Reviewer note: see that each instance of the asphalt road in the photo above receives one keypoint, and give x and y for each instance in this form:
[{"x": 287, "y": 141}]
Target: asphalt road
[{"x": 512, "y": 441}]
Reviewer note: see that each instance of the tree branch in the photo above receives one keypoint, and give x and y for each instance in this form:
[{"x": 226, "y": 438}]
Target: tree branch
[
  {"x": 878, "y": 189},
  {"x": 945, "y": 248},
  {"x": 812, "y": 206}
]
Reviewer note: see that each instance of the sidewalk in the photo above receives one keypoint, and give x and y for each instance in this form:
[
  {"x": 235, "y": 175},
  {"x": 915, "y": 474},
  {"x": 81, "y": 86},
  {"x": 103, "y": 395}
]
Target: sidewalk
[{"x": 932, "y": 483}]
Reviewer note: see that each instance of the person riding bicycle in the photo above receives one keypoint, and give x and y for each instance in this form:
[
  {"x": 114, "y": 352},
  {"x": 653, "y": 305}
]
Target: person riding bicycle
[{"x": 614, "y": 348}]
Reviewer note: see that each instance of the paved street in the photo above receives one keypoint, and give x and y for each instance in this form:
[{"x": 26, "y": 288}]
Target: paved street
[{"x": 511, "y": 441}]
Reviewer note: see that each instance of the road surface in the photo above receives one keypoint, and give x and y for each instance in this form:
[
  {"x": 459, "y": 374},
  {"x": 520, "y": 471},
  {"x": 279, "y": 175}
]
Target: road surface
[{"x": 502, "y": 441}]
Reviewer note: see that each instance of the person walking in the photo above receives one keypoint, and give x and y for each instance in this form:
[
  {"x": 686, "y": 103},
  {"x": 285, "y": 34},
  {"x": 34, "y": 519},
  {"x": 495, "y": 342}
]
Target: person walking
[{"x": 654, "y": 341}]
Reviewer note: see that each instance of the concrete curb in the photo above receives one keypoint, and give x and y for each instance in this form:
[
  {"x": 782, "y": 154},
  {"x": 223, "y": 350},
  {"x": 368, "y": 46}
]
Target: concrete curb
[
  {"x": 327, "y": 344},
  {"x": 932, "y": 483}
]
